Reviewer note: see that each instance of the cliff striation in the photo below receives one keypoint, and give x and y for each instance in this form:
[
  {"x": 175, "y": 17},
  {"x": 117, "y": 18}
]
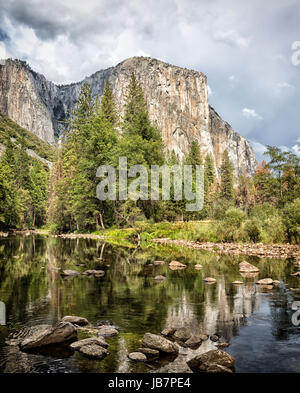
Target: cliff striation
[{"x": 177, "y": 100}]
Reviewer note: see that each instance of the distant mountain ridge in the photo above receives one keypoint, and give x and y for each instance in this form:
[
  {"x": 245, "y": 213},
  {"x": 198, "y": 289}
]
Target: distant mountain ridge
[{"x": 177, "y": 100}]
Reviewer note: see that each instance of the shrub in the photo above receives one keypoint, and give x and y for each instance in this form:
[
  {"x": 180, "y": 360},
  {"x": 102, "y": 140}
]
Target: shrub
[
  {"x": 291, "y": 220},
  {"x": 219, "y": 210},
  {"x": 229, "y": 229},
  {"x": 253, "y": 229}
]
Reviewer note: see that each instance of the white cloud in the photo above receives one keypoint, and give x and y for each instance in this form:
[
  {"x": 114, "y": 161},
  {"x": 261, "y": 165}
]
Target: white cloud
[
  {"x": 258, "y": 147},
  {"x": 285, "y": 85},
  {"x": 232, "y": 38},
  {"x": 251, "y": 113},
  {"x": 233, "y": 78},
  {"x": 236, "y": 44},
  {"x": 296, "y": 150}
]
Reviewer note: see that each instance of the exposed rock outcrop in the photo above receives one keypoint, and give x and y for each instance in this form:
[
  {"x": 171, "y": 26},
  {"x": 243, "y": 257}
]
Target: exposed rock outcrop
[{"x": 177, "y": 100}]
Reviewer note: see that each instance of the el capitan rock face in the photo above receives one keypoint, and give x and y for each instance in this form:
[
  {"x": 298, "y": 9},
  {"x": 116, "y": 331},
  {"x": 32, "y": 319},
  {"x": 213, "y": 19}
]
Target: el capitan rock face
[{"x": 177, "y": 100}]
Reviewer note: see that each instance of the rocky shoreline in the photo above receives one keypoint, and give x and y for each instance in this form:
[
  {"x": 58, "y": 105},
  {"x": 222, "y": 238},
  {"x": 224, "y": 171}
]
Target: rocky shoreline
[
  {"x": 154, "y": 350},
  {"x": 282, "y": 251},
  {"x": 260, "y": 250}
]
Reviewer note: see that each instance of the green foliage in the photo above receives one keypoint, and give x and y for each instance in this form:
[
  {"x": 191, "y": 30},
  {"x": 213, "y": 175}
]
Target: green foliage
[
  {"x": 9, "y": 129},
  {"x": 228, "y": 229},
  {"x": 23, "y": 188},
  {"x": 291, "y": 219},
  {"x": 227, "y": 191}
]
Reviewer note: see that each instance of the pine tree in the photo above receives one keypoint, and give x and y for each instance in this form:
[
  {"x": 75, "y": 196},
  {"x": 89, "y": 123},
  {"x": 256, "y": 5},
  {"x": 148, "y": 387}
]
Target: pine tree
[
  {"x": 245, "y": 197},
  {"x": 108, "y": 106},
  {"x": 226, "y": 190},
  {"x": 9, "y": 201},
  {"x": 194, "y": 156},
  {"x": 141, "y": 141},
  {"x": 209, "y": 183},
  {"x": 264, "y": 184}
]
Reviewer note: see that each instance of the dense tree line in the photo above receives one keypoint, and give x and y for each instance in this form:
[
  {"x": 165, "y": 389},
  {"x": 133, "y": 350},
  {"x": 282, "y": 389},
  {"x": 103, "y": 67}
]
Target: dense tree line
[{"x": 23, "y": 188}]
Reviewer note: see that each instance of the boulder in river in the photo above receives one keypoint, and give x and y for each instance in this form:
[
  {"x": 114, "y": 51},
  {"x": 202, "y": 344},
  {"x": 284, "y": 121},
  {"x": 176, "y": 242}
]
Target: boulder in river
[
  {"x": 246, "y": 267},
  {"x": 137, "y": 357},
  {"x": 151, "y": 354},
  {"x": 160, "y": 343},
  {"x": 158, "y": 263},
  {"x": 198, "y": 266},
  {"x": 107, "y": 331},
  {"x": 182, "y": 334},
  {"x": 265, "y": 281},
  {"x": 69, "y": 273},
  {"x": 237, "y": 282},
  {"x": 168, "y": 332},
  {"x": 93, "y": 351},
  {"x": 159, "y": 278},
  {"x": 214, "y": 337},
  {"x": 91, "y": 272},
  {"x": 297, "y": 274},
  {"x": 212, "y": 361},
  {"x": 47, "y": 335},
  {"x": 193, "y": 341},
  {"x": 89, "y": 341},
  {"x": 80, "y": 321},
  {"x": 176, "y": 265},
  {"x": 209, "y": 280}
]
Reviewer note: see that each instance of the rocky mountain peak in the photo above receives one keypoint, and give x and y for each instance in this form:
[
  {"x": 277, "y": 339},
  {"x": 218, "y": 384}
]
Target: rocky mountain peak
[{"x": 176, "y": 98}]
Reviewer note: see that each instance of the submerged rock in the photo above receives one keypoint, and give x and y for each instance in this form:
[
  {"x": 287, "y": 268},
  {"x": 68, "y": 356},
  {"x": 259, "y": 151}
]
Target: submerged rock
[
  {"x": 193, "y": 341},
  {"x": 151, "y": 354},
  {"x": 159, "y": 278},
  {"x": 89, "y": 341},
  {"x": 137, "y": 357},
  {"x": 246, "y": 267},
  {"x": 297, "y": 274},
  {"x": 107, "y": 331},
  {"x": 75, "y": 320},
  {"x": 157, "y": 263},
  {"x": 97, "y": 273},
  {"x": 93, "y": 351},
  {"x": 212, "y": 361},
  {"x": 265, "y": 281},
  {"x": 176, "y": 265},
  {"x": 203, "y": 337},
  {"x": 222, "y": 343},
  {"x": 237, "y": 283},
  {"x": 209, "y": 279},
  {"x": 69, "y": 273},
  {"x": 214, "y": 337},
  {"x": 47, "y": 335},
  {"x": 160, "y": 343}
]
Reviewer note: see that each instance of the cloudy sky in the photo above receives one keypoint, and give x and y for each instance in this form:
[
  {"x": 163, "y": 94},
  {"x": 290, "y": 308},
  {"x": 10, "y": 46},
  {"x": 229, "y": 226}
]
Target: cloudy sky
[{"x": 247, "y": 49}]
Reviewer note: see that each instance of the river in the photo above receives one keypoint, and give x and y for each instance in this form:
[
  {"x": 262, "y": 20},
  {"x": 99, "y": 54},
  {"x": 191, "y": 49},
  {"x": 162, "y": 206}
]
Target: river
[{"x": 257, "y": 322}]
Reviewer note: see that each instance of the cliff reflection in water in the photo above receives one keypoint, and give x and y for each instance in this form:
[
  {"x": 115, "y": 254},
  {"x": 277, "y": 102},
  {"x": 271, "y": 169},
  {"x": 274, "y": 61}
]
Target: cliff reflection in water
[{"x": 128, "y": 296}]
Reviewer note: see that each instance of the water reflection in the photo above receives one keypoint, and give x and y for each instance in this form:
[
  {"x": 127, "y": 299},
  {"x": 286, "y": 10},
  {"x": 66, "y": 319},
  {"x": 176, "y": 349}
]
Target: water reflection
[{"x": 35, "y": 293}]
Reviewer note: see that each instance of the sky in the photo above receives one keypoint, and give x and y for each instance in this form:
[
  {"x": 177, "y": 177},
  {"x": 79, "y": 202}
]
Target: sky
[{"x": 249, "y": 50}]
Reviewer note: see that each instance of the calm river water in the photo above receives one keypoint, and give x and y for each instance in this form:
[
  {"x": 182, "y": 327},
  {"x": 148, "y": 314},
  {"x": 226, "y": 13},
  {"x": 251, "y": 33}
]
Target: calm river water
[{"x": 257, "y": 322}]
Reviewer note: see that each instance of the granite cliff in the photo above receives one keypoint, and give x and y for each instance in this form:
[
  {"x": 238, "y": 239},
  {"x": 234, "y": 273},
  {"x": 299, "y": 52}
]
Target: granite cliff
[{"x": 177, "y": 100}]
